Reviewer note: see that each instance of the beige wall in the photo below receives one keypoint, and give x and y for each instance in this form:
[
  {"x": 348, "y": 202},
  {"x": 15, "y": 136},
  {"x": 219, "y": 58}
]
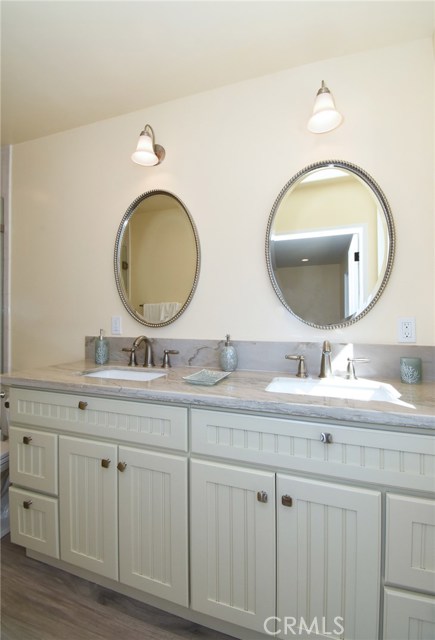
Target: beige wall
[{"x": 228, "y": 154}]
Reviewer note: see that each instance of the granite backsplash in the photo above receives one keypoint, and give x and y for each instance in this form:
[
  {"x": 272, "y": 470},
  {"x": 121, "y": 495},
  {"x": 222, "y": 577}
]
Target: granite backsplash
[{"x": 384, "y": 360}]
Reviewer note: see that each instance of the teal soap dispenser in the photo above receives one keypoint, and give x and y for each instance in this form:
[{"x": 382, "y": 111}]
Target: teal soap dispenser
[
  {"x": 228, "y": 356},
  {"x": 101, "y": 349}
]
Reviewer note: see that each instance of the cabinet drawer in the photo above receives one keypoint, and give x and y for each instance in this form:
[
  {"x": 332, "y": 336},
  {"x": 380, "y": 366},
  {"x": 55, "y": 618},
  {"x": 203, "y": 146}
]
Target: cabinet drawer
[
  {"x": 408, "y": 616},
  {"x": 33, "y": 459},
  {"x": 34, "y": 521},
  {"x": 129, "y": 421},
  {"x": 367, "y": 455},
  {"x": 410, "y": 550}
]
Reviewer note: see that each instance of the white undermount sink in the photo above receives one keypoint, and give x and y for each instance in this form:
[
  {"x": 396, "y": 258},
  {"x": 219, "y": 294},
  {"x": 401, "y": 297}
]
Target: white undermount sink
[
  {"x": 360, "y": 389},
  {"x": 124, "y": 374}
]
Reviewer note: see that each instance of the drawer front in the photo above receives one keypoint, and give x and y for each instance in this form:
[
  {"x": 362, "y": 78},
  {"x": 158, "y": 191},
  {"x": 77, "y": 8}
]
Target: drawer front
[
  {"x": 33, "y": 459},
  {"x": 368, "y": 455},
  {"x": 408, "y": 616},
  {"x": 130, "y": 421},
  {"x": 34, "y": 521},
  {"x": 410, "y": 550}
]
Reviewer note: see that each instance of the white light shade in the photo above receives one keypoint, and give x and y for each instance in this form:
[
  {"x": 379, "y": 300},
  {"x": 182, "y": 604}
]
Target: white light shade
[
  {"x": 325, "y": 116},
  {"x": 144, "y": 153}
]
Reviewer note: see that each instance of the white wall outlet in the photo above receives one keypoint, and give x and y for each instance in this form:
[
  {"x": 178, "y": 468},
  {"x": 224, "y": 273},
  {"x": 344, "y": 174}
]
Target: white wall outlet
[
  {"x": 406, "y": 330},
  {"x": 116, "y": 326}
]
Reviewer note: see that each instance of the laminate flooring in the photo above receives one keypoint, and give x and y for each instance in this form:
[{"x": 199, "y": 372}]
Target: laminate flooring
[{"x": 39, "y": 602}]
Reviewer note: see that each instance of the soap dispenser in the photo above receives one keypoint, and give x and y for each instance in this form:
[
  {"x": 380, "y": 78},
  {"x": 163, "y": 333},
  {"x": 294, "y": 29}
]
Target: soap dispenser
[
  {"x": 228, "y": 356},
  {"x": 101, "y": 349}
]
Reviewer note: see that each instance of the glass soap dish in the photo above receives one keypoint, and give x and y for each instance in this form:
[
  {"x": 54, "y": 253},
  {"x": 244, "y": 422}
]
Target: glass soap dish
[{"x": 206, "y": 377}]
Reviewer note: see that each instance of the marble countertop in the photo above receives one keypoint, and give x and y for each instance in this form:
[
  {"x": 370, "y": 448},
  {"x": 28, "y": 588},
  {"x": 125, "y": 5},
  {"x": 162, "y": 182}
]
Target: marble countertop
[{"x": 242, "y": 390}]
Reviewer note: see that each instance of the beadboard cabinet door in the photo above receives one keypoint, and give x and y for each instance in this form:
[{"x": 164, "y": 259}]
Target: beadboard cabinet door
[
  {"x": 408, "y": 615},
  {"x": 328, "y": 559},
  {"x": 88, "y": 499},
  {"x": 233, "y": 543},
  {"x": 153, "y": 547}
]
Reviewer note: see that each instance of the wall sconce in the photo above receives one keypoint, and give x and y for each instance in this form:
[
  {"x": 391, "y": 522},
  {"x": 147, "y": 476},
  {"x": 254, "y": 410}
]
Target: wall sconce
[
  {"x": 147, "y": 152},
  {"x": 325, "y": 116}
]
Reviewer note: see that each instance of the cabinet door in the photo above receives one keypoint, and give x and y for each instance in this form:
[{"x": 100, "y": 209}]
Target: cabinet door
[
  {"x": 408, "y": 616},
  {"x": 233, "y": 543},
  {"x": 328, "y": 559},
  {"x": 88, "y": 505},
  {"x": 153, "y": 523},
  {"x": 33, "y": 459}
]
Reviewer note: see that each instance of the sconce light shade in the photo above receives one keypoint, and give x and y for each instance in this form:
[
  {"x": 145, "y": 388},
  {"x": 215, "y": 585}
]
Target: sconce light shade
[
  {"x": 325, "y": 116},
  {"x": 147, "y": 152}
]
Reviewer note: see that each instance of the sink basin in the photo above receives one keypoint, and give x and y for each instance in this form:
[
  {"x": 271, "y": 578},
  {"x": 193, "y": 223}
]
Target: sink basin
[
  {"x": 124, "y": 374},
  {"x": 360, "y": 389}
]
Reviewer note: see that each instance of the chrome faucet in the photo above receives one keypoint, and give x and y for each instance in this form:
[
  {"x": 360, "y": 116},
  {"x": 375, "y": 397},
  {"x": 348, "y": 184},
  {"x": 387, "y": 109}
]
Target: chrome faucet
[
  {"x": 325, "y": 362},
  {"x": 148, "y": 358}
]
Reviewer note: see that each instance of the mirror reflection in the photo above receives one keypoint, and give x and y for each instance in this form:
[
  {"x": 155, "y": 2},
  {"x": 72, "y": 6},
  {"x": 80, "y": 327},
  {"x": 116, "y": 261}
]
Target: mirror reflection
[
  {"x": 330, "y": 244},
  {"x": 156, "y": 258}
]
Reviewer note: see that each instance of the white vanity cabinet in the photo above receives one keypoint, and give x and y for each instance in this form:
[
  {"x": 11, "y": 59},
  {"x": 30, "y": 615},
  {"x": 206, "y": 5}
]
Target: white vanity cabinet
[
  {"x": 409, "y": 601},
  {"x": 102, "y": 484},
  {"x": 122, "y": 506},
  {"x": 256, "y": 525},
  {"x": 324, "y": 573},
  {"x": 328, "y": 514}
]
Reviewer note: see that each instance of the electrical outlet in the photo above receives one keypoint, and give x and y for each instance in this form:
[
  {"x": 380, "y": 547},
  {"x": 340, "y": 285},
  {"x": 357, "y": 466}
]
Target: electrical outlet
[
  {"x": 406, "y": 330},
  {"x": 116, "y": 326}
]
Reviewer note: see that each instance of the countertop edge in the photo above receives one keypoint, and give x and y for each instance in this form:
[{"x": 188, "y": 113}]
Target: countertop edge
[{"x": 242, "y": 391}]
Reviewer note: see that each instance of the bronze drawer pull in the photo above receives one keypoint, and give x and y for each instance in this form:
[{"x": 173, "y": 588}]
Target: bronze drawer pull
[
  {"x": 121, "y": 466},
  {"x": 27, "y": 439},
  {"x": 286, "y": 501},
  {"x": 105, "y": 462},
  {"x": 82, "y": 405},
  {"x": 261, "y": 496},
  {"x": 27, "y": 503},
  {"x": 326, "y": 438}
]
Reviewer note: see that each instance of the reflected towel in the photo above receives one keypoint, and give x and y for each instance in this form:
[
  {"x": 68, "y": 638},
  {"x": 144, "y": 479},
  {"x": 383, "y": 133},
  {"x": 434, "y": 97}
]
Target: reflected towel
[{"x": 160, "y": 311}]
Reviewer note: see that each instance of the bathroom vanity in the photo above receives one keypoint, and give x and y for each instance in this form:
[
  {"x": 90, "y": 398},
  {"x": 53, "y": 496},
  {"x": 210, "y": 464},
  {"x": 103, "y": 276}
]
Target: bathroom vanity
[{"x": 251, "y": 512}]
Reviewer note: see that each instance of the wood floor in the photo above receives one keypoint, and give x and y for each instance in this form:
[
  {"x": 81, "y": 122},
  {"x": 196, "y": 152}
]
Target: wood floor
[{"x": 40, "y": 602}]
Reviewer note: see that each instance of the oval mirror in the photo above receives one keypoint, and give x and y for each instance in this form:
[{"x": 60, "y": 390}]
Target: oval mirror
[
  {"x": 157, "y": 258},
  {"x": 330, "y": 244}
]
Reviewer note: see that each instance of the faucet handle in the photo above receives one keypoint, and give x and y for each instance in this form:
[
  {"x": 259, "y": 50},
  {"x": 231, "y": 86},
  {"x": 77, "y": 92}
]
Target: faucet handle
[
  {"x": 302, "y": 368},
  {"x": 351, "y": 375},
  {"x": 132, "y": 351},
  {"x": 166, "y": 362}
]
